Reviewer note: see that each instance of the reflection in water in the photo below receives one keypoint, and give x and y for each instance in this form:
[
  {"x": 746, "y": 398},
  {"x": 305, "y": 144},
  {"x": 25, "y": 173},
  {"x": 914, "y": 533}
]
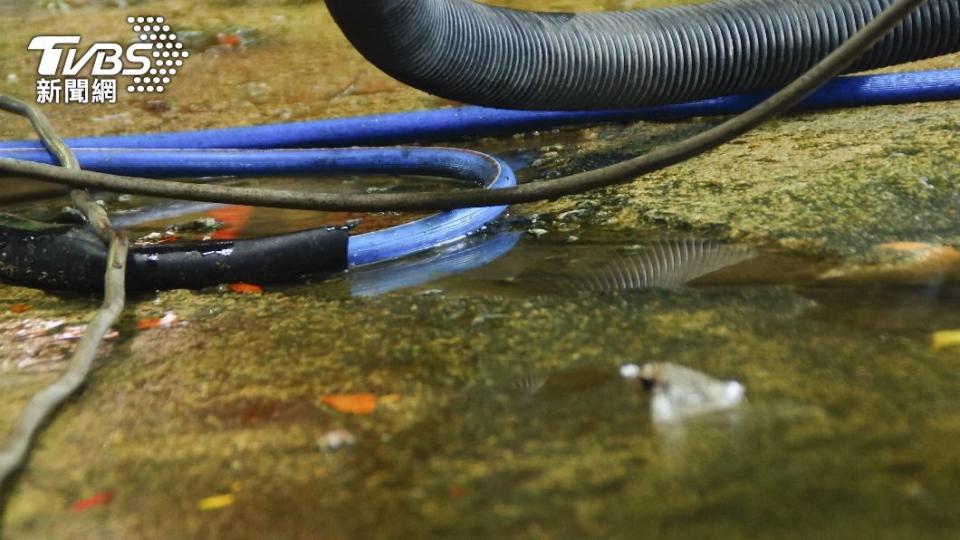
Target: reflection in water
[
  {"x": 456, "y": 258},
  {"x": 162, "y": 212},
  {"x": 568, "y": 382},
  {"x": 887, "y": 307},
  {"x": 677, "y": 393},
  {"x": 660, "y": 264},
  {"x": 535, "y": 269},
  {"x": 571, "y": 269}
]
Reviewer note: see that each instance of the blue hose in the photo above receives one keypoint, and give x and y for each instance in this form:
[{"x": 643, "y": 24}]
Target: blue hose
[
  {"x": 259, "y": 150},
  {"x": 461, "y": 122},
  {"x": 363, "y": 249}
]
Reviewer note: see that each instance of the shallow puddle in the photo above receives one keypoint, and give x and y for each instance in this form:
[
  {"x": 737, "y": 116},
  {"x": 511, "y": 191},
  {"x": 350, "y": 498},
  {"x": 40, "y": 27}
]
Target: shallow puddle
[{"x": 500, "y": 408}]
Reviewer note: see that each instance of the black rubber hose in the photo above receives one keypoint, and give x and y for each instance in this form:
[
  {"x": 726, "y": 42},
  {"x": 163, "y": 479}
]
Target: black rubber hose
[
  {"x": 69, "y": 258},
  {"x": 499, "y": 57}
]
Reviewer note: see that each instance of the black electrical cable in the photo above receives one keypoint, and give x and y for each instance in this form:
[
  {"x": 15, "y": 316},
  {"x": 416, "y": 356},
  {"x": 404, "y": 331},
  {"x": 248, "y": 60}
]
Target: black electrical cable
[{"x": 829, "y": 67}]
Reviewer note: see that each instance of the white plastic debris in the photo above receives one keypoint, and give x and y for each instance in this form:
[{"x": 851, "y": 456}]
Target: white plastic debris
[
  {"x": 337, "y": 439},
  {"x": 630, "y": 371},
  {"x": 680, "y": 393},
  {"x": 169, "y": 320}
]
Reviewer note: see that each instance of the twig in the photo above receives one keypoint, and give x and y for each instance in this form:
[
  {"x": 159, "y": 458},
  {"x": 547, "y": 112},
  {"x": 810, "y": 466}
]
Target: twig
[
  {"x": 95, "y": 214},
  {"x": 42, "y": 406}
]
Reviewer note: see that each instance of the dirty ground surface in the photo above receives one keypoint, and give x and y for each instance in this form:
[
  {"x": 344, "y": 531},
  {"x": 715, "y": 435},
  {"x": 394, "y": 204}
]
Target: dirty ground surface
[{"x": 220, "y": 423}]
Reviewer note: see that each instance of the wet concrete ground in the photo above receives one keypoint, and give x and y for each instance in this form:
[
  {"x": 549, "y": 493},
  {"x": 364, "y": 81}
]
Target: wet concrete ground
[{"x": 852, "y": 415}]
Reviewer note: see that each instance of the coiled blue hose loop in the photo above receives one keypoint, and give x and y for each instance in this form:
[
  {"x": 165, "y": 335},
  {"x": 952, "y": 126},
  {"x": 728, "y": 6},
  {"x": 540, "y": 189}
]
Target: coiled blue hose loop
[{"x": 368, "y": 248}]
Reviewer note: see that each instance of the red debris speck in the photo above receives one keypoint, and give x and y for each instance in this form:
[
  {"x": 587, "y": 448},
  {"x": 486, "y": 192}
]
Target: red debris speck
[
  {"x": 92, "y": 502},
  {"x": 246, "y": 288},
  {"x": 228, "y": 40},
  {"x": 167, "y": 321},
  {"x": 20, "y": 308},
  {"x": 234, "y": 217}
]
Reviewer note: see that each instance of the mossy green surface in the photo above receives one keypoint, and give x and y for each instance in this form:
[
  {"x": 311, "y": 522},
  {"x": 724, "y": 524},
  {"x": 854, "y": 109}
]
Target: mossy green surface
[
  {"x": 849, "y": 428},
  {"x": 831, "y": 182}
]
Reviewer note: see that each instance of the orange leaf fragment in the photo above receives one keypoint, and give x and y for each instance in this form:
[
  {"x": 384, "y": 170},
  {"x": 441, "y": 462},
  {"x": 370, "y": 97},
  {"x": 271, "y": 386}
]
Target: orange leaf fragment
[
  {"x": 167, "y": 321},
  {"x": 352, "y": 403},
  {"x": 234, "y": 217},
  {"x": 20, "y": 308},
  {"x": 246, "y": 288},
  {"x": 148, "y": 324},
  {"x": 94, "y": 501}
]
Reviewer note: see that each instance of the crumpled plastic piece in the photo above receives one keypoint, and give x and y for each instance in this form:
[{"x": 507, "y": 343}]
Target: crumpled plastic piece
[{"x": 681, "y": 393}]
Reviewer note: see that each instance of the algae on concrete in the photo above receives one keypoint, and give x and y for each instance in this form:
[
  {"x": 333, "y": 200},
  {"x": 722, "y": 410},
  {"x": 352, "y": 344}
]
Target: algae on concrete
[{"x": 849, "y": 427}]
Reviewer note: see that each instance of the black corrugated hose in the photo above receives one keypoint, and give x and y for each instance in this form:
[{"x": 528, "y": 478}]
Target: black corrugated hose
[{"x": 499, "y": 57}]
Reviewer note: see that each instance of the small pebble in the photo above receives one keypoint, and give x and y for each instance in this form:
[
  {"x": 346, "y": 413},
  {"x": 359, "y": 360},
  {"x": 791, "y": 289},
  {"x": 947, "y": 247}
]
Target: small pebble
[
  {"x": 570, "y": 214},
  {"x": 547, "y": 157}
]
